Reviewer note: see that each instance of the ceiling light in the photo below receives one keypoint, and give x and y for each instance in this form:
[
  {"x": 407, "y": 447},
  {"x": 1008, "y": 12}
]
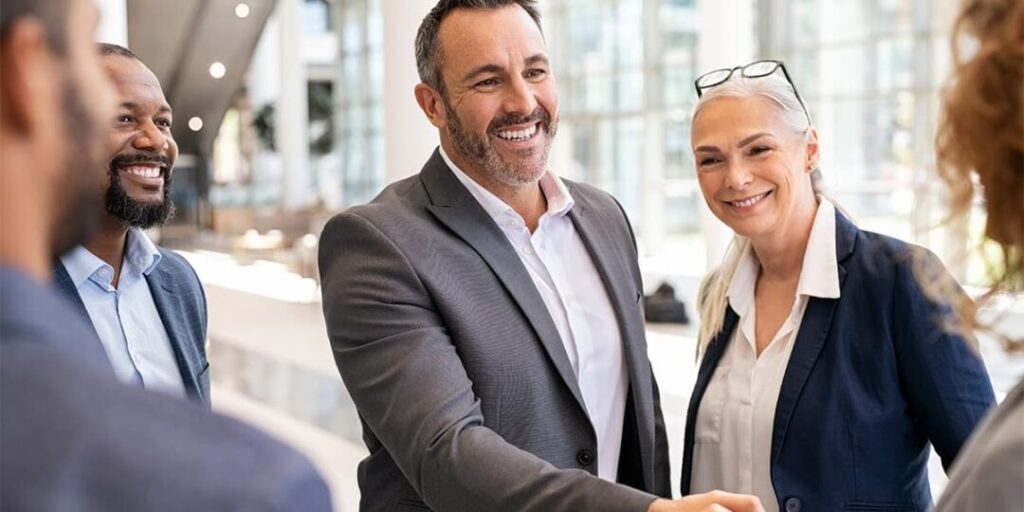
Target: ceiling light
[
  {"x": 195, "y": 124},
  {"x": 217, "y": 70},
  {"x": 242, "y": 10}
]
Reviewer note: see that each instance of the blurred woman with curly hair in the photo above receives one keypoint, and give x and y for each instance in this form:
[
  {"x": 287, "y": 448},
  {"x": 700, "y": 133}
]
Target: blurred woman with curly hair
[{"x": 982, "y": 135}]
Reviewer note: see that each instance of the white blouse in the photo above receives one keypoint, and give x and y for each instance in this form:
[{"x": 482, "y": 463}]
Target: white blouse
[{"x": 733, "y": 438}]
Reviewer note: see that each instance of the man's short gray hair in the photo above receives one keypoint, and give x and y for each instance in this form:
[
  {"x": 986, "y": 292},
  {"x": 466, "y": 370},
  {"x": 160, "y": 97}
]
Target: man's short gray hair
[{"x": 428, "y": 49}]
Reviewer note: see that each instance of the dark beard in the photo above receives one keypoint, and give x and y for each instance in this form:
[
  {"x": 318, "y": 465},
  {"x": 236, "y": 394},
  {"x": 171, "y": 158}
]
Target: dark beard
[
  {"x": 479, "y": 151},
  {"x": 78, "y": 215},
  {"x": 138, "y": 214}
]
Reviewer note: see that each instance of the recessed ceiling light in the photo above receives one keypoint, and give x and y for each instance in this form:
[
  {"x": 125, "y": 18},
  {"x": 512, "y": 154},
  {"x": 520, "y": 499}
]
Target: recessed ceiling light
[
  {"x": 195, "y": 124},
  {"x": 217, "y": 70},
  {"x": 242, "y": 10}
]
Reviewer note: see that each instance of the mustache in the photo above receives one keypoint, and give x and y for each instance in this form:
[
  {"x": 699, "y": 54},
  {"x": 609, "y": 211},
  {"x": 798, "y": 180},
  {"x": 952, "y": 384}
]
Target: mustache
[
  {"x": 142, "y": 158},
  {"x": 539, "y": 114}
]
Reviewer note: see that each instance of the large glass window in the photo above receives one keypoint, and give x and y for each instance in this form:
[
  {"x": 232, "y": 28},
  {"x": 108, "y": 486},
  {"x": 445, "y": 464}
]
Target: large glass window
[
  {"x": 316, "y": 17},
  {"x": 869, "y": 71},
  {"x": 360, "y": 113},
  {"x": 625, "y": 69}
]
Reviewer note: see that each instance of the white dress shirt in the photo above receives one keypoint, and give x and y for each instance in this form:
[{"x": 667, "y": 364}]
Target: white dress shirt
[
  {"x": 733, "y": 438},
  {"x": 126, "y": 318},
  {"x": 575, "y": 297}
]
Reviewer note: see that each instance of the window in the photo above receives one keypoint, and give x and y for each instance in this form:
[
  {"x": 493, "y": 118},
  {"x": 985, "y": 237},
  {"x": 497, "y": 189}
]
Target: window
[
  {"x": 316, "y": 17},
  {"x": 868, "y": 71},
  {"x": 360, "y": 112},
  {"x": 625, "y": 71}
]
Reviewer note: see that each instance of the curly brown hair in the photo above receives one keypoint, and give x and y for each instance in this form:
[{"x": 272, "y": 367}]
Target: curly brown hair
[{"x": 981, "y": 132}]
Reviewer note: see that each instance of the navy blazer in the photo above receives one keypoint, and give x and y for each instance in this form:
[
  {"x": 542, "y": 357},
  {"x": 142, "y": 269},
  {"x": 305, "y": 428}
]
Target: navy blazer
[
  {"x": 181, "y": 303},
  {"x": 872, "y": 379}
]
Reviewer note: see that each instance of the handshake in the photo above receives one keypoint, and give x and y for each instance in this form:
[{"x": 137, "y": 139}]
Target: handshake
[{"x": 714, "y": 501}]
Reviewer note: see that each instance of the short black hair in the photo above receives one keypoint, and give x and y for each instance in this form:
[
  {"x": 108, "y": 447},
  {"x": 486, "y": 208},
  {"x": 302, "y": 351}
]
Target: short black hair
[
  {"x": 116, "y": 49},
  {"x": 52, "y": 13},
  {"x": 428, "y": 51}
]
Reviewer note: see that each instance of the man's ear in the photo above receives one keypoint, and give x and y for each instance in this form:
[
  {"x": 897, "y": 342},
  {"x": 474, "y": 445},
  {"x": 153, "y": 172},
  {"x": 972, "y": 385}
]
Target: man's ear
[
  {"x": 30, "y": 81},
  {"x": 432, "y": 105}
]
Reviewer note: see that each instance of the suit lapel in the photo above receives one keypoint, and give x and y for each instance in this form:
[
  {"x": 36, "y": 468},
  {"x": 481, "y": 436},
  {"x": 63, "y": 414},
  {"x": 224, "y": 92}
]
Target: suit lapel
[
  {"x": 624, "y": 297},
  {"x": 164, "y": 291},
  {"x": 814, "y": 330},
  {"x": 456, "y": 208},
  {"x": 66, "y": 287},
  {"x": 63, "y": 283},
  {"x": 704, "y": 374}
]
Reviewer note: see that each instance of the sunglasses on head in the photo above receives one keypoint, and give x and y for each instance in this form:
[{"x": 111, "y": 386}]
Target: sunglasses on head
[{"x": 756, "y": 69}]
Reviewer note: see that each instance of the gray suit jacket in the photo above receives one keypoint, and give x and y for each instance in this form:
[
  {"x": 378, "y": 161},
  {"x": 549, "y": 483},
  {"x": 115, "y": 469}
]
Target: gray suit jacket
[
  {"x": 466, "y": 394},
  {"x": 181, "y": 303},
  {"x": 989, "y": 472},
  {"x": 73, "y": 438}
]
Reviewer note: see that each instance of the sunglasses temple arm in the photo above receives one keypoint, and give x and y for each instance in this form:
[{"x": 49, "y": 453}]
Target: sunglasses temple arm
[{"x": 799, "y": 98}]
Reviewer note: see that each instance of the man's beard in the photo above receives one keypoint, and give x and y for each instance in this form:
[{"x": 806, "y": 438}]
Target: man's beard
[
  {"x": 78, "y": 207},
  {"x": 479, "y": 151},
  {"x": 135, "y": 213}
]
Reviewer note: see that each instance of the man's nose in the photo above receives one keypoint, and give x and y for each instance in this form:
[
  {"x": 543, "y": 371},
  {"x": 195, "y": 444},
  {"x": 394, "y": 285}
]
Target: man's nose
[
  {"x": 520, "y": 98},
  {"x": 150, "y": 137}
]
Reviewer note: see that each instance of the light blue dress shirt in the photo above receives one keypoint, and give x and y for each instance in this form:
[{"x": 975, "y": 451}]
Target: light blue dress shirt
[{"x": 126, "y": 318}]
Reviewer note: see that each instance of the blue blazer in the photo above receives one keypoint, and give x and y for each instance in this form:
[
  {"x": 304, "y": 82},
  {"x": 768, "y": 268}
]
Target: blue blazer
[
  {"x": 181, "y": 303},
  {"x": 74, "y": 438},
  {"x": 872, "y": 380}
]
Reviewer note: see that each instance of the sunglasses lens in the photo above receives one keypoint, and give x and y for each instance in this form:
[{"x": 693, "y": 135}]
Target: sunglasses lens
[
  {"x": 713, "y": 78},
  {"x": 760, "y": 68}
]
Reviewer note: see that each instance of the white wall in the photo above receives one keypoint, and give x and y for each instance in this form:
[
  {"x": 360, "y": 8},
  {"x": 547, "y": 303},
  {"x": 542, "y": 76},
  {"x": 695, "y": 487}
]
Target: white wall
[
  {"x": 113, "y": 26},
  {"x": 409, "y": 138}
]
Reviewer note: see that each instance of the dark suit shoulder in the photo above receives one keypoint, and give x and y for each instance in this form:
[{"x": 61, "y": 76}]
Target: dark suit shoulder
[
  {"x": 83, "y": 438},
  {"x": 404, "y": 191},
  {"x": 885, "y": 257},
  {"x": 402, "y": 199},
  {"x": 591, "y": 193},
  {"x": 176, "y": 263}
]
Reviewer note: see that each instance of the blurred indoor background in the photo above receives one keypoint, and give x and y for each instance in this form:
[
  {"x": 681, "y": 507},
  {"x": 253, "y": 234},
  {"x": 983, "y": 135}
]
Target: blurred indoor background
[{"x": 287, "y": 111}]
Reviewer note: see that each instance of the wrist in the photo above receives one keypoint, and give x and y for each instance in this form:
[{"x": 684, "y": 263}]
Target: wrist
[{"x": 659, "y": 505}]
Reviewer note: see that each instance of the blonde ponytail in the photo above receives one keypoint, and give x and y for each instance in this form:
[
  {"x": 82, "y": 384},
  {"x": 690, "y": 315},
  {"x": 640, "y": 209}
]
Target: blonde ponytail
[{"x": 713, "y": 296}]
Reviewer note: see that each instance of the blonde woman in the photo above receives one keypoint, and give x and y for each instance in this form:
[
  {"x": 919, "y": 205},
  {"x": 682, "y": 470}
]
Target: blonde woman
[
  {"x": 825, "y": 374},
  {"x": 982, "y": 135}
]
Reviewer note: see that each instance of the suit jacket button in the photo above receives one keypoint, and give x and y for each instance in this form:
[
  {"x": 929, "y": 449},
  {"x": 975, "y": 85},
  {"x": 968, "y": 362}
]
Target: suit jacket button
[
  {"x": 793, "y": 505},
  {"x": 585, "y": 457}
]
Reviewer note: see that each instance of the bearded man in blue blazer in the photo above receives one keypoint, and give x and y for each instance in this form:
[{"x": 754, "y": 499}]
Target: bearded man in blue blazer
[{"x": 145, "y": 303}]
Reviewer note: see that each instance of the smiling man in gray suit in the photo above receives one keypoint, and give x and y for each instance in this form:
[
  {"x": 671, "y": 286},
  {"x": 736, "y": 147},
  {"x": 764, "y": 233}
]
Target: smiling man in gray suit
[{"x": 485, "y": 314}]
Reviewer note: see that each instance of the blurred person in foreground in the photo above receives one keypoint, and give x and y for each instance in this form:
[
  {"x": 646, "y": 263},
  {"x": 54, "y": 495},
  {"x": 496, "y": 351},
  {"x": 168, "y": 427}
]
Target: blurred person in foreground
[
  {"x": 826, "y": 373},
  {"x": 485, "y": 314},
  {"x": 982, "y": 135},
  {"x": 71, "y": 436},
  {"x": 146, "y": 302}
]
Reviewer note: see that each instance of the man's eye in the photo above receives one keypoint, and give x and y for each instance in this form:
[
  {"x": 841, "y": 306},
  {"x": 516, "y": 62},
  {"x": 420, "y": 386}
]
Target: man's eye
[
  {"x": 490, "y": 82},
  {"x": 757, "y": 150},
  {"x": 124, "y": 119}
]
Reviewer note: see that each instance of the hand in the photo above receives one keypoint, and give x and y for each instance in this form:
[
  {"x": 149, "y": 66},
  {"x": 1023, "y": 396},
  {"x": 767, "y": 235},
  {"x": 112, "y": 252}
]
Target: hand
[{"x": 714, "y": 501}]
